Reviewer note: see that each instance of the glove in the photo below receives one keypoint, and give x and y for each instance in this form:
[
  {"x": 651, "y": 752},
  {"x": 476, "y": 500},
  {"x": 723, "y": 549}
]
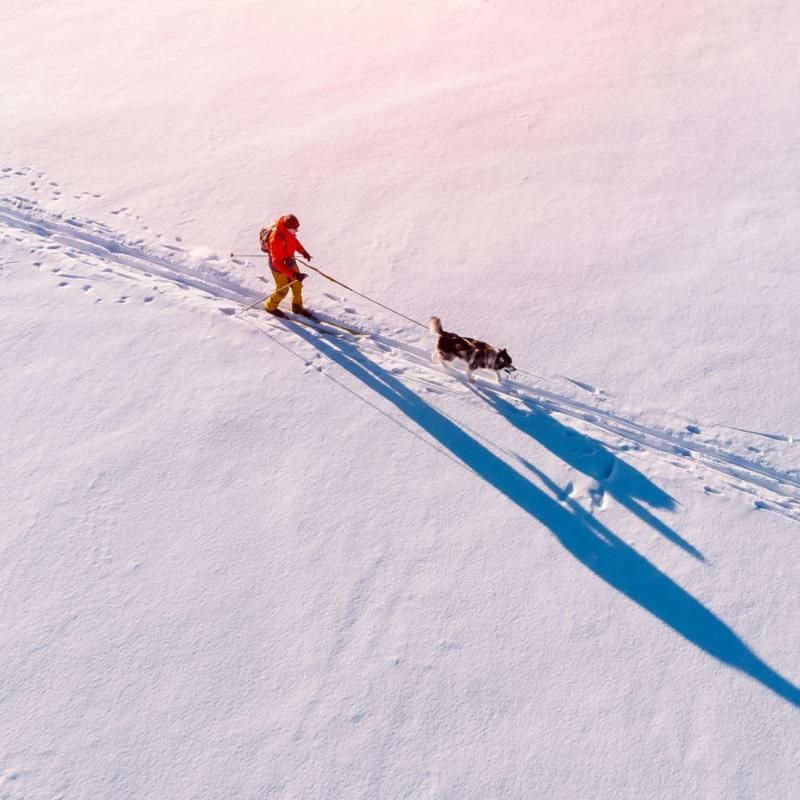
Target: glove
[
  {"x": 307, "y": 256},
  {"x": 300, "y": 276}
]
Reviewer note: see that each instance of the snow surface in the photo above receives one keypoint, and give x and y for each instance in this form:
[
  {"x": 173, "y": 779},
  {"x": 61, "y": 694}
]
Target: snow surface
[{"x": 243, "y": 559}]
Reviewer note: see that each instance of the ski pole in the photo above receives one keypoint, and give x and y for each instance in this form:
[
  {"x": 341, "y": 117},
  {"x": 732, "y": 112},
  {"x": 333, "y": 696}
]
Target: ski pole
[{"x": 258, "y": 302}]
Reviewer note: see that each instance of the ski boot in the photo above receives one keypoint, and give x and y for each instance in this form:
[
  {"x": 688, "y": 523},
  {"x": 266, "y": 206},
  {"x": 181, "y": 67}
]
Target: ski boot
[{"x": 304, "y": 312}]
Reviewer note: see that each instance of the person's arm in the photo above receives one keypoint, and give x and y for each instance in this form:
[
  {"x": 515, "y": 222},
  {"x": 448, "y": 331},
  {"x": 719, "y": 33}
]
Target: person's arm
[{"x": 298, "y": 248}]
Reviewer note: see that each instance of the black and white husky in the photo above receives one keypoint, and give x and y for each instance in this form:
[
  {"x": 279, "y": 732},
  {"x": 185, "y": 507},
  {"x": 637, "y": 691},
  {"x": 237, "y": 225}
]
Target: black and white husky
[{"x": 476, "y": 354}]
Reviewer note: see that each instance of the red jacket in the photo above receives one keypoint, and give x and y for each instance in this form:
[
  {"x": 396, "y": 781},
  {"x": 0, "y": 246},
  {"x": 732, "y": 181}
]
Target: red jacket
[{"x": 283, "y": 244}]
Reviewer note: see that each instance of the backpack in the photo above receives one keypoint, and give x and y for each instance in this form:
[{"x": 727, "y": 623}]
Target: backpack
[{"x": 264, "y": 235}]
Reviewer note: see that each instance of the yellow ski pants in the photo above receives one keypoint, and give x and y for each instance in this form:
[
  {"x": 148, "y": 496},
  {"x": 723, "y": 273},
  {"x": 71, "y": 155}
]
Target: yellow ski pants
[{"x": 282, "y": 285}]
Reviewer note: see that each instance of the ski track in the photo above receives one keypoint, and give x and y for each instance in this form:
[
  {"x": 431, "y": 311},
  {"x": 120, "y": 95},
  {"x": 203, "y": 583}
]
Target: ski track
[
  {"x": 97, "y": 240},
  {"x": 786, "y": 486}
]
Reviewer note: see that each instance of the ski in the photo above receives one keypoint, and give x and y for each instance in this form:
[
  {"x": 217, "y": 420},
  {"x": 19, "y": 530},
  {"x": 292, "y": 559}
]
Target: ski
[
  {"x": 313, "y": 324},
  {"x": 315, "y": 321},
  {"x": 336, "y": 324},
  {"x": 324, "y": 322}
]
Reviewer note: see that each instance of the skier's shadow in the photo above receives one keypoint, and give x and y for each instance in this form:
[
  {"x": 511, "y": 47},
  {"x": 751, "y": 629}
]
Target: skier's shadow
[
  {"x": 581, "y": 534},
  {"x": 629, "y": 487}
]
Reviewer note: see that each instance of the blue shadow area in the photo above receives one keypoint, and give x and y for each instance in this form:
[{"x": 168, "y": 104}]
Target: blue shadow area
[
  {"x": 629, "y": 487},
  {"x": 595, "y": 546}
]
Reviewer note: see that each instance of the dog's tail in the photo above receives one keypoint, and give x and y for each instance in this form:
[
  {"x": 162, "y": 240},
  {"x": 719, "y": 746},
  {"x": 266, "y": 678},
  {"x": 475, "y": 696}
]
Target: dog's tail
[{"x": 435, "y": 325}]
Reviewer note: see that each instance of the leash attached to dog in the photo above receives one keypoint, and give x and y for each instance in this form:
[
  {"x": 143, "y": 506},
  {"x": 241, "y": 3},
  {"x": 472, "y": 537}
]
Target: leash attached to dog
[
  {"x": 333, "y": 280},
  {"x": 354, "y": 291},
  {"x": 366, "y": 297}
]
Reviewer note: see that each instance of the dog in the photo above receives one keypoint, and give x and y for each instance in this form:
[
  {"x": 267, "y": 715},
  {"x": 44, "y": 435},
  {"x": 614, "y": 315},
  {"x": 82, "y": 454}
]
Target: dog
[{"x": 476, "y": 354}]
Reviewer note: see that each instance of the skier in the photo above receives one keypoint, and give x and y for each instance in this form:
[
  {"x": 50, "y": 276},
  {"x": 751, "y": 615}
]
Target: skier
[{"x": 280, "y": 243}]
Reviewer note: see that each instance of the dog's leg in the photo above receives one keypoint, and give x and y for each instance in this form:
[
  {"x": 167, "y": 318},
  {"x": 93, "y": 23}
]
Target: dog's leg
[
  {"x": 499, "y": 376},
  {"x": 470, "y": 376}
]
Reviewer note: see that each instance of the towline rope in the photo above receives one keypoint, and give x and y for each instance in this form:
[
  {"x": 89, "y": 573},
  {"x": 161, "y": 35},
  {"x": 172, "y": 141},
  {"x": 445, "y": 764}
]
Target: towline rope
[{"x": 333, "y": 280}]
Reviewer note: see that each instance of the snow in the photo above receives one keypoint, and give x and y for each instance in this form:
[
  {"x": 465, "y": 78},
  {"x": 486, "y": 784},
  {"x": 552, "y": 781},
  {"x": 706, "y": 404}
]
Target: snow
[{"x": 243, "y": 559}]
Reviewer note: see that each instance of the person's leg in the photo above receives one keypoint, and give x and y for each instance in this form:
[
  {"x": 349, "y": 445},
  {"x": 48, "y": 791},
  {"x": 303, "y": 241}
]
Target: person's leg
[
  {"x": 297, "y": 297},
  {"x": 297, "y": 289},
  {"x": 281, "y": 290}
]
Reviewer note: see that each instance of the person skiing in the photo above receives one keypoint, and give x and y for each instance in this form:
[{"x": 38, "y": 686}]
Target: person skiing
[{"x": 280, "y": 243}]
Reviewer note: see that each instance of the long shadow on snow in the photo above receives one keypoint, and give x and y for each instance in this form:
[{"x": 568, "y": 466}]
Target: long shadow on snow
[
  {"x": 629, "y": 487},
  {"x": 588, "y": 540}
]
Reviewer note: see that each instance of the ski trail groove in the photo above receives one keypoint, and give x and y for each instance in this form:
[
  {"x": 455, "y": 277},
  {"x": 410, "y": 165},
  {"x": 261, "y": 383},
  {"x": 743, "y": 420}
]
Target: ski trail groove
[{"x": 76, "y": 235}]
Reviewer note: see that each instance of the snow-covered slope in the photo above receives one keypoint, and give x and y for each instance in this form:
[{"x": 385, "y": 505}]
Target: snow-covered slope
[{"x": 244, "y": 559}]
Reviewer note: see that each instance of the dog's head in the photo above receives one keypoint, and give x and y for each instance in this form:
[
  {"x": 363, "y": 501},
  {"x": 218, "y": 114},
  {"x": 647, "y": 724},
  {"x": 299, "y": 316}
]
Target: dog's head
[{"x": 504, "y": 362}]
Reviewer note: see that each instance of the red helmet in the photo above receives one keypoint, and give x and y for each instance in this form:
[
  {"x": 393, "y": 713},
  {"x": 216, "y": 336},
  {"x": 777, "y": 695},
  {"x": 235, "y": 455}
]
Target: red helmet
[{"x": 291, "y": 222}]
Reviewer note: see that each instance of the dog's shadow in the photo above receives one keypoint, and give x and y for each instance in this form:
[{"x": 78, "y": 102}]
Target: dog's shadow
[
  {"x": 613, "y": 476},
  {"x": 593, "y": 544}
]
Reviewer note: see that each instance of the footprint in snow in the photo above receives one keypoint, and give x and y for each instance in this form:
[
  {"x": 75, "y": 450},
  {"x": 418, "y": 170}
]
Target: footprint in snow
[
  {"x": 598, "y": 497},
  {"x": 693, "y": 429},
  {"x": 64, "y": 283},
  {"x": 149, "y": 299}
]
